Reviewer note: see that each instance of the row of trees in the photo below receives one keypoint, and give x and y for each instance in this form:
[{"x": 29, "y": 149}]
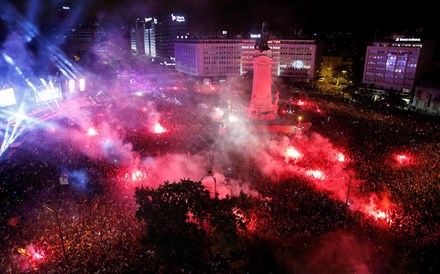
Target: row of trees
[{"x": 188, "y": 230}]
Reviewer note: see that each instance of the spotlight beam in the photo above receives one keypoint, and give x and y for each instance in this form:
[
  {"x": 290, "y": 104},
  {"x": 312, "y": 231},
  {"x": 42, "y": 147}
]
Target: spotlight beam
[{"x": 10, "y": 15}]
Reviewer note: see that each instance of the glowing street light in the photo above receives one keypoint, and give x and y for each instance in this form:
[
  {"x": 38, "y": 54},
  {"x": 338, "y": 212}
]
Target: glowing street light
[{"x": 299, "y": 120}]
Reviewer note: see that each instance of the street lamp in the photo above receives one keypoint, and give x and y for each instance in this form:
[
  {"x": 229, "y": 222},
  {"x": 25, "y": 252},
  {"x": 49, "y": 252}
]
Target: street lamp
[
  {"x": 215, "y": 183},
  {"x": 299, "y": 120},
  {"x": 349, "y": 185},
  {"x": 51, "y": 208}
]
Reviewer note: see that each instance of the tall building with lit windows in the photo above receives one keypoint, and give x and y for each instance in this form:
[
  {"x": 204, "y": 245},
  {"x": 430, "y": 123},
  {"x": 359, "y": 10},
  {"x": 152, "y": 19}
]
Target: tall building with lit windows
[
  {"x": 143, "y": 38},
  {"x": 298, "y": 58},
  {"x": 219, "y": 58},
  {"x": 155, "y": 36},
  {"x": 169, "y": 29},
  {"x": 398, "y": 64}
]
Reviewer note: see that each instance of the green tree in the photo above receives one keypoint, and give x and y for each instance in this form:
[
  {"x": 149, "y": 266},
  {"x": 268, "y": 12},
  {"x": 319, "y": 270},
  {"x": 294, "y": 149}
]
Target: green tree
[
  {"x": 342, "y": 71},
  {"x": 186, "y": 227}
]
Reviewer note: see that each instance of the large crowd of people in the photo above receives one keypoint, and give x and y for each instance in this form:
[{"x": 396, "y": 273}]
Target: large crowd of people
[
  {"x": 375, "y": 138},
  {"x": 94, "y": 230}
]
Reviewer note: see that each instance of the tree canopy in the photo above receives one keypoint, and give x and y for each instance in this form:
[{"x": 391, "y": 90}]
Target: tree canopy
[{"x": 186, "y": 227}]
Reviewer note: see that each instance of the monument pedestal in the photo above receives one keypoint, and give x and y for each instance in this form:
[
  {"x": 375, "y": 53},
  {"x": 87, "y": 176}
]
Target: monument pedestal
[{"x": 261, "y": 106}]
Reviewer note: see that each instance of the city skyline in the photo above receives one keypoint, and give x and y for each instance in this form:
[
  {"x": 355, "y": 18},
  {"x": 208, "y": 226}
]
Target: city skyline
[{"x": 247, "y": 16}]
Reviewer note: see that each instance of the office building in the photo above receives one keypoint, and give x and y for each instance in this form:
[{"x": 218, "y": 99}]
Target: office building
[
  {"x": 219, "y": 58},
  {"x": 427, "y": 98},
  {"x": 155, "y": 36},
  {"x": 85, "y": 36},
  {"x": 169, "y": 29},
  {"x": 398, "y": 64},
  {"x": 143, "y": 38}
]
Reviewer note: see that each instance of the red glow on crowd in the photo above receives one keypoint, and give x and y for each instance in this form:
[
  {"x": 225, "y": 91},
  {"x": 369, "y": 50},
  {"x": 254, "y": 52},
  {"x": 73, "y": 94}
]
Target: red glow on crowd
[
  {"x": 301, "y": 103},
  {"x": 340, "y": 157},
  {"x": 32, "y": 255},
  {"x": 403, "y": 159},
  {"x": 292, "y": 153},
  {"x": 251, "y": 225},
  {"x": 38, "y": 256},
  {"x": 92, "y": 131},
  {"x": 135, "y": 175},
  {"x": 379, "y": 208},
  {"x": 217, "y": 114},
  {"x": 158, "y": 128},
  {"x": 241, "y": 217},
  {"x": 317, "y": 174},
  {"x": 24, "y": 252},
  {"x": 379, "y": 214}
]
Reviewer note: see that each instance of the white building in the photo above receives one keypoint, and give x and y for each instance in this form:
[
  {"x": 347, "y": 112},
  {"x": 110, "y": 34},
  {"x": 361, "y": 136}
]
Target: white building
[
  {"x": 231, "y": 57},
  {"x": 427, "y": 98},
  {"x": 210, "y": 57},
  {"x": 298, "y": 58},
  {"x": 398, "y": 64}
]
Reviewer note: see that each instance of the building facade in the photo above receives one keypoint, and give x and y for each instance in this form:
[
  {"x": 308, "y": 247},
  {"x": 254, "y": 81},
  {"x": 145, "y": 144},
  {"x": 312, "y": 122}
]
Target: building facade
[
  {"x": 155, "y": 36},
  {"x": 169, "y": 29},
  {"x": 73, "y": 32},
  {"x": 427, "y": 98},
  {"x": 143, "y": 38},
  {"x": 220, "y": 58},
  {"x": 398, "y": 64},
  {"x": 85, "y": 36},
  {"x": 211, "y": 57}
]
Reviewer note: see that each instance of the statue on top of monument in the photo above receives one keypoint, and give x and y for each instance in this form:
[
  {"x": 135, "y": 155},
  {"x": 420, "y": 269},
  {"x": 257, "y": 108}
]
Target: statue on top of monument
[{"x": 261, "y": 43}]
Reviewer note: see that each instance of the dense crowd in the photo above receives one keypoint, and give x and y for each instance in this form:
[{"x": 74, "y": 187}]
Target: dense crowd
[
  {"x": 375, "y": 137},
  {"x": 100, "y": 232}
]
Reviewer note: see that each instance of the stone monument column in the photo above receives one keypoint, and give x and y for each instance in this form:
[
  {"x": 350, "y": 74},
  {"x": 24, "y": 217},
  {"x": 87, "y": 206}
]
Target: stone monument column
[{"x": 261, "y": 106}]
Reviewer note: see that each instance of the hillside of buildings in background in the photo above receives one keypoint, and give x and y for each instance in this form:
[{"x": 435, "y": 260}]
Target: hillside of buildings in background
[{"x": 392, "y": 69}]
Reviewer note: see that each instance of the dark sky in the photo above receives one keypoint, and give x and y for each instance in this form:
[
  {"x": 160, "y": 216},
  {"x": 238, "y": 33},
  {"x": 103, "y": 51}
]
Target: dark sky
[
  {"x": 247, "y": 15},
  {"x": 283, "y": 14}
]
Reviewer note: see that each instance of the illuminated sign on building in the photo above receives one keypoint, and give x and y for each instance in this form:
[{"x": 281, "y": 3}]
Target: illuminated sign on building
[
  {"x": 298, "y": 64},
  {"x": 66, "y": 8},
  {"x": 254, "y": 36},
  {"x": 400, "y": 39},
  {"x": 224, "y": 32},
  {"x": 177, "y": 18}
]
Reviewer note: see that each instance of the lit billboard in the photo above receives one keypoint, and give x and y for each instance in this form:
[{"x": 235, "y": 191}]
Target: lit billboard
[
  {"x": 7, "y": 97},
  {"x": 47, "y": 94}
]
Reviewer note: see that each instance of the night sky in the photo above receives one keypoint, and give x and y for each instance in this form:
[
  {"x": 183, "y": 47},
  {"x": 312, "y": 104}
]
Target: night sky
[
  {"x": 284, "y": 15},
  {"x": 247, "y": 15}
]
